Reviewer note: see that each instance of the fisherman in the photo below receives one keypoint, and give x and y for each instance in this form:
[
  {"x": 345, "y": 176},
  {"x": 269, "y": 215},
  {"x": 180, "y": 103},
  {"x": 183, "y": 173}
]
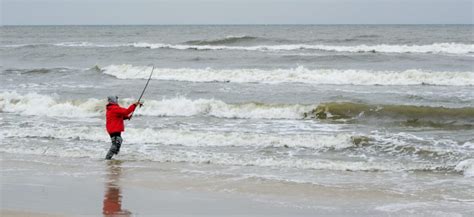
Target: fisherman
[{"x": 114, "y": 123}]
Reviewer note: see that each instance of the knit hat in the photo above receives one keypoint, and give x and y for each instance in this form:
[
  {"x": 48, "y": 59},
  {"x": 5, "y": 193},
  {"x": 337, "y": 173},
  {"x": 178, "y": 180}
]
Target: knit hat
[{"x": 112, "y": 99}]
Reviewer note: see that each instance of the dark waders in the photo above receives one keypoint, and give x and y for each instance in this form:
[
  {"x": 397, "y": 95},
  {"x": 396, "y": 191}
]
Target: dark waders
[{"x": 115, "y": 147}]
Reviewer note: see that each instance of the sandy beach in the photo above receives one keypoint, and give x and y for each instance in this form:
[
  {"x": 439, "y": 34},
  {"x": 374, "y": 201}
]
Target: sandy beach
[
  {"x": 47, "y": 187},
  {"x": 51, "y": 186}
]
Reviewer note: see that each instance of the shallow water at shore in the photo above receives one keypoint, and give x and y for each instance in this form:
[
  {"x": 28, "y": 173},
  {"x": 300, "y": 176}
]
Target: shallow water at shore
[{"x": 58, "y": 186}]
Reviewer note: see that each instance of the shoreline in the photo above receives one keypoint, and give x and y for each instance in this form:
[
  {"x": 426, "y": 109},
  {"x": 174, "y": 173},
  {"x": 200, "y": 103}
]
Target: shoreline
[
  {"x": 65, "y": 190},
  {"x": 35, "y": 185},
  {"x": 19, "y": 213}
]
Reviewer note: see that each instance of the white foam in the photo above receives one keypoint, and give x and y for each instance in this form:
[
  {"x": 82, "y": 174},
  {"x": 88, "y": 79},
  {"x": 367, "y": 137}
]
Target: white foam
[
  {"x": 466, "y": 167},
  {"x": 276, "y": 162},
  {"x": 448, "y": 48},
  {"x": 438, "y": 48},
  {"x": 155, "y": 145},
  {"x": 162, "y": 154},
  {"x": 189, "y": 138},
  {"x": 181, "y": 106},
  {"x": 397, "y": 207},
  {"x": 85, "y": 44},
  {"x": 177, "y": 145},
  {"x": 469, "y": 145},
  {"x": 17, "y": 45},
  {"x": 37, "y": 104},
  {"x": 298, "y": 75}
]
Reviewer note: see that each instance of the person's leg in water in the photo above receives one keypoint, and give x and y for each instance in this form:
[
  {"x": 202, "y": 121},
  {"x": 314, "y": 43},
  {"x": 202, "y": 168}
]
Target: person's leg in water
[{"x": 115, "y": 147}]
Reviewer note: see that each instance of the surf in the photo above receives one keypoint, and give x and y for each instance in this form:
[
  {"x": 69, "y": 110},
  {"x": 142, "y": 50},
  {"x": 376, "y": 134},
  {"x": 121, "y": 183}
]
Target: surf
[
  {"x": 180, "y": 145},
  {"x": 410, "y": 115},
  {"x": 299, "y": 74},
  {"x": 50, "y": 105},
  {"x": 221, "y": 44}
]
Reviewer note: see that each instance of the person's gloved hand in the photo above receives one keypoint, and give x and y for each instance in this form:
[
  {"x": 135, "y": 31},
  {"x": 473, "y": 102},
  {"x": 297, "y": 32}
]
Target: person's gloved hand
[{"x": 138, "y": 104}]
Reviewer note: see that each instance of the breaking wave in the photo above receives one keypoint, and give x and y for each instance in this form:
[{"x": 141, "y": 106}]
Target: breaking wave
[
  {"x": 466, "y": 167},
  {"x": 182, "y": 137},
  {"x": 414, "y": 115},
  {"x": 144, "y": 152},
  {"x": 172, "y": 145},
  {"x": 447, "y": 48},
  {"x": 219, "y": 44},
  {"x": 45, "y": 105},
  {"x": 37, "y": 104},
  {"x": 86, "y": 44},
  {"x": 299, "y": 75}
]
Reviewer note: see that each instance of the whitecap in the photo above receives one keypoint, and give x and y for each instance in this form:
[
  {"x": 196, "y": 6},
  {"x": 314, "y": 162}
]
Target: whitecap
[{"x": 296, "y": 75}]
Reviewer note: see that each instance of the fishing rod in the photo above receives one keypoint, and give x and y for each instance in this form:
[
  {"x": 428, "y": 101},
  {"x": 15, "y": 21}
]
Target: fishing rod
[{"x": 143, "y": 92}]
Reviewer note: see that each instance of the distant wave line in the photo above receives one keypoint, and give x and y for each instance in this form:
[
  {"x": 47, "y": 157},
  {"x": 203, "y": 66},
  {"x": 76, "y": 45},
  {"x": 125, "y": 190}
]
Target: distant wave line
[{"x": 435, "y": 48}]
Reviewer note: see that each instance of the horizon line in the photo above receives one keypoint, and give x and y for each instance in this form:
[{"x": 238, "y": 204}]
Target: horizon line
[{"x": 256, "y": 24}]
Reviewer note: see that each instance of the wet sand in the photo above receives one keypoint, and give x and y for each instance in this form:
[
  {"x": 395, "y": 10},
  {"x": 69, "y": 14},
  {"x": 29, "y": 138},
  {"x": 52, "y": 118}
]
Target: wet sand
[
  {"x": 16, "y": 213},
  {"x": 33, "y": 185},
  {"x": 51, "y": 186}
]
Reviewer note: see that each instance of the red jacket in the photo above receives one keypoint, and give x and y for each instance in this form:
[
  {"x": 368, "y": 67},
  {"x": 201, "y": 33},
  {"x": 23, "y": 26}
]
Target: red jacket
[{"x": 115, "y": 116}]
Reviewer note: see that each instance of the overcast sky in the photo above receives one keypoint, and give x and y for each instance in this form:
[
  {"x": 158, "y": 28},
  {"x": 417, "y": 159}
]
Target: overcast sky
[{"x": 103, "y": 12}]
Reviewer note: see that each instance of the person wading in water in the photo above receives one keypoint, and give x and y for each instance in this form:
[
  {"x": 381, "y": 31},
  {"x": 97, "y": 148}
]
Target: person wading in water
[{"x": 114, "y": 123}]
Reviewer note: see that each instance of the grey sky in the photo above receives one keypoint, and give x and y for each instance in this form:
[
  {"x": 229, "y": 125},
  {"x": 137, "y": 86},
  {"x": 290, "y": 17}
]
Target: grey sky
[{"x": 96, "y": 12}]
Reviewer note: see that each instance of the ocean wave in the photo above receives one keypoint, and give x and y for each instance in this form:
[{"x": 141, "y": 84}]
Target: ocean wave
[
  {"x": 181, "y": 106},
  {"x": 297, "y": 75},
  {"x": 87, "y": 44},
  {"x": 466, "y": 167},
  {"x": 229, "y": 159},
  {"x": 223, "y": 41},
  {"x": 412, "y": 147},
  {"x": 37, "y": 104},
  {"x": 145, "y": 153},
  {"x": 44, "y": 105},
  {"x": 400, "y": 145},
  {"x": 447, "y": 48},
  {"x": 189, "y": 138},
  {"x": 408, "y": 152},
  {"x": 151, "y": 152},
  {"x": 168, "y": 145},
  {"x": 24, "y": 45},
  {"x": 413, "y": 116},
  {"x": 410, "y": 113},
  {"x": 38, "y": 71},
  {"x": 436, "y": 48}
]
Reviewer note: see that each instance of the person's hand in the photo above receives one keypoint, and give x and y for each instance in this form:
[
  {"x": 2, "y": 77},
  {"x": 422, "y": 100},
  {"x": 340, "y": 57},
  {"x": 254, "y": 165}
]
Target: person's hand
[{"x": 138, "y": 104}]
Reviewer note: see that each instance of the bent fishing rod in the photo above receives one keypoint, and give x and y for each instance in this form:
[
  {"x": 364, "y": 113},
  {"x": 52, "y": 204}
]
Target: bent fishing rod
[{"x": 143, "y": 92}]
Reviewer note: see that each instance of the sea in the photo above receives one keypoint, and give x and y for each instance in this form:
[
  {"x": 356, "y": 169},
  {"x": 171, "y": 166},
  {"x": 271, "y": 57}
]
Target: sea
[{"x": 387, "y": 109}]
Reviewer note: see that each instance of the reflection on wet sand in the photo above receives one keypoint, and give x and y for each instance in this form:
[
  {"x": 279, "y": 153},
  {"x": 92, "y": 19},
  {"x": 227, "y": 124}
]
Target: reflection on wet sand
[{"x": 113, "y": 197}]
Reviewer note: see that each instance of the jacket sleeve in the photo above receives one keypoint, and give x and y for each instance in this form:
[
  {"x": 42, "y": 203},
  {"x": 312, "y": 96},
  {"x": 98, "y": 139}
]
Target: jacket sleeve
[{"x": 126, "y": 112}]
